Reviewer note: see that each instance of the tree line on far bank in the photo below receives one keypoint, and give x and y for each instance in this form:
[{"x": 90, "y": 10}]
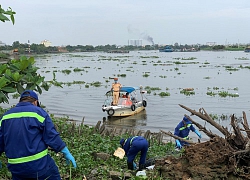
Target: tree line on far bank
[{"x": 25, "y": 48}]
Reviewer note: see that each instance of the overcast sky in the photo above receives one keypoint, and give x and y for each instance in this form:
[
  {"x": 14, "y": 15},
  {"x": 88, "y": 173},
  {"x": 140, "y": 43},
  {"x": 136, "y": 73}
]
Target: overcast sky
[{"x": 101, "y": 22}]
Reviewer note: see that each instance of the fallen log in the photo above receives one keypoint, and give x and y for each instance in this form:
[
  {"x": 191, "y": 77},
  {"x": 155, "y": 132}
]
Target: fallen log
[
  {"x": 177, "y": 137},
  {"x": 245, "y": 124},
  {"x": 202, "y": 128},
  {"x": 203, "y": 115},
  {"x": 237, "y": 139}
]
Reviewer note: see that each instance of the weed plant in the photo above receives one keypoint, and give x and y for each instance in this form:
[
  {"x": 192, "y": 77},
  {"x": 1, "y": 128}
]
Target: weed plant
[
  {"x": 162, "y": 94},
  {"x": 187, "y": 93},
  {"x": 83, "y": 142}
]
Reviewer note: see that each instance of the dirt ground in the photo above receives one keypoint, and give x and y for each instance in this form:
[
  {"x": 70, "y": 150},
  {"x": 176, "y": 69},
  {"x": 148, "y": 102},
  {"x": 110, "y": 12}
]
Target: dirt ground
[{"x": 208, "y": 160}]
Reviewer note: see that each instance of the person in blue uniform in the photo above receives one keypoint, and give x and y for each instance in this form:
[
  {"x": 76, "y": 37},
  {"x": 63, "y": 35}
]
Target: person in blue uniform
[
  {"x": 26, "y": 132},
  {"x": 132, "y": 146},
  {"x": 182, "y": 130}
]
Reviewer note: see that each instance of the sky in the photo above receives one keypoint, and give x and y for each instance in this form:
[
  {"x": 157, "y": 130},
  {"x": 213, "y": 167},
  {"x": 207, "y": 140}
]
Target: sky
[{"x": 115, "y": 22}]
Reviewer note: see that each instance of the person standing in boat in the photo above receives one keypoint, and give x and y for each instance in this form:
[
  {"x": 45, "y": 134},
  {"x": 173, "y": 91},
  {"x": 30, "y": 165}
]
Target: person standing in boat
[
  {"x": 116, "y": 86},
  {"x": 182, "y": 130}
]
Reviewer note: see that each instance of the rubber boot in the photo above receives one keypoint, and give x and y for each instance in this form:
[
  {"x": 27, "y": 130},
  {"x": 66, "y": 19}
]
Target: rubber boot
[
  {"x": 141, "y": 167},
  {"x": 130, "y": 165}
]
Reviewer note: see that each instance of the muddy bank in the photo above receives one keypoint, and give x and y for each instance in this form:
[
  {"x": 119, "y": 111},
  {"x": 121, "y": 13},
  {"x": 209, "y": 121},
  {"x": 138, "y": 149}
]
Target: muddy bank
[{"x": 208, "y": 160}]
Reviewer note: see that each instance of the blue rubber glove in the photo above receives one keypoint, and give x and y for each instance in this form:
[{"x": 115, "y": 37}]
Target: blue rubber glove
[
  {"x": 178, "y": 144},
  {"x": 198, "y": 133},
  {"x": 134, "y": 165},
  {"x": 68, "y": 156}
]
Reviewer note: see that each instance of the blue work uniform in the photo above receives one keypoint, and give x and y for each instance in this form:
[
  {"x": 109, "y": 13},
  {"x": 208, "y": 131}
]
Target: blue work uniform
[
  {"x": 182, "y": 130},
  {"x": 26, "y": 131},
  {"x": 133, "y": 145}
]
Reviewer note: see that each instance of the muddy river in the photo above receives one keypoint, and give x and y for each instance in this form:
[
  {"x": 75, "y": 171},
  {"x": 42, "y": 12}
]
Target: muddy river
[{"x": 208, "y": 73}]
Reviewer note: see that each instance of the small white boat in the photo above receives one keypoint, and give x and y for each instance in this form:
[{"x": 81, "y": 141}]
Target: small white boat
[{"x": 135, "y": 103}]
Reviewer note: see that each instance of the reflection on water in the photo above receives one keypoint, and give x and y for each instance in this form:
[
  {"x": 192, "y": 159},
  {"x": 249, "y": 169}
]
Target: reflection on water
[{"x": 136, "y": 120}]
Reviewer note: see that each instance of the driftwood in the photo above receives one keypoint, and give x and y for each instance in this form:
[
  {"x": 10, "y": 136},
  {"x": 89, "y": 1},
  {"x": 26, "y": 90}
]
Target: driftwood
[
  {"x": 203, "y": 115},
  {"x": 201, "y": 128},
  {"x": 237, "y": 142},
  {"x": 177, "y": 137}
]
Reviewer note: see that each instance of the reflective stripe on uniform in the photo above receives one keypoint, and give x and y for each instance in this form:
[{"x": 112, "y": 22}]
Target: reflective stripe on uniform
[
  {"x": 132, "y": 139},
  {"x": 184, "y": 127},
  {"x": 28, "y": 158},
  {"x": 23, "y": 114}
]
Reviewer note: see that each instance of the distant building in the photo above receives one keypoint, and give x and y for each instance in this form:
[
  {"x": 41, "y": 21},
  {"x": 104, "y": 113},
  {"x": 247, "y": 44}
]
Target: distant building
[
  {"x": 135, "y": 42},
  {"x": 211, "y": 43},
  {"x": 46, "y": 43}
]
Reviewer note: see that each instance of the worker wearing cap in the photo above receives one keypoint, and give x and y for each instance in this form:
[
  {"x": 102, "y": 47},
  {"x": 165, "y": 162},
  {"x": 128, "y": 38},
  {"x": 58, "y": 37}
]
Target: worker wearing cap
[
  {"x": 182, "y": 130},
  {"x": 132, "y": 146},
  {"x": 26, "y": 132},
  {"x": 116, "y": 86}
]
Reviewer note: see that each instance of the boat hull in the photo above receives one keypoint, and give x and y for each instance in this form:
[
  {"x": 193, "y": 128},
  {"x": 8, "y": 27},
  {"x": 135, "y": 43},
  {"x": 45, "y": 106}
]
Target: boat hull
[
  {"x": 123, "y": 110},
  {"x": 127, "y": 112},
  {"x": 128, "y": 104}
]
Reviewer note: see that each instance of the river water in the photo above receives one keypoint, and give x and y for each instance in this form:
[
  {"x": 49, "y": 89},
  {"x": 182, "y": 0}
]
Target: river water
[{"x": 204, "y": 71}]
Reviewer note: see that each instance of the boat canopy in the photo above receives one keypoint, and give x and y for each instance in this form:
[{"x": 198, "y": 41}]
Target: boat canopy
[{"x": 129, "y": 89}]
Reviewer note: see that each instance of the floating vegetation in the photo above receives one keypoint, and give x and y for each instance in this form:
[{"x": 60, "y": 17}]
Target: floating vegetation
[
  {"x": 145, "y": 74},
  {"x": 190, "y": 58},
  {"x": 76, "y": 55},
  {"x": 242, "y": 58},
  {"x": 210, "y": 93},
  {"x": 223, "y": 93},
  {"x": 187, "y": 91},
  {"x": 235, "y": 89},
  {"x": 206, "y": 62},
  {"x": 207, "y": 77},
  {"x": 121, "y": 75},
  {"x": 96, "y": 84},
  {"x": 178, "y": 62},
  {"x": 149, "y": 89},
  {"x": 163, "y": 76},
  {"x": 247, "y": 67},
  {"x": 66, "y": 71},
  {"x": 164, "y": 94},
  {"x": 149, "y": 56},
  {"x": 176, "y": 69},
  {"x": 230, "y": 68},
  {"x": 226, "y": 93},
  {"x": 217, "y": 117},
  {"x": 134, "y": 62},
  {"x": 78, "y": 69},
  {"x": 86, "y": 86}
]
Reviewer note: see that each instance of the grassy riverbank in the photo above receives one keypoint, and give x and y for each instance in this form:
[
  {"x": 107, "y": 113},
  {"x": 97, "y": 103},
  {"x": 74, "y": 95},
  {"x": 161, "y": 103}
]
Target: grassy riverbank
[{"x": 83, "y": 142}]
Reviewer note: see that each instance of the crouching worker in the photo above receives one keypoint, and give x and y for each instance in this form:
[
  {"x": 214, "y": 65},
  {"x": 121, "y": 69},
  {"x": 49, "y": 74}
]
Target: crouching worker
[
  {"x": 182, "y": 130},
  {"x": 26, "y": 132},
  {"x": 132, "y": 146}
]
